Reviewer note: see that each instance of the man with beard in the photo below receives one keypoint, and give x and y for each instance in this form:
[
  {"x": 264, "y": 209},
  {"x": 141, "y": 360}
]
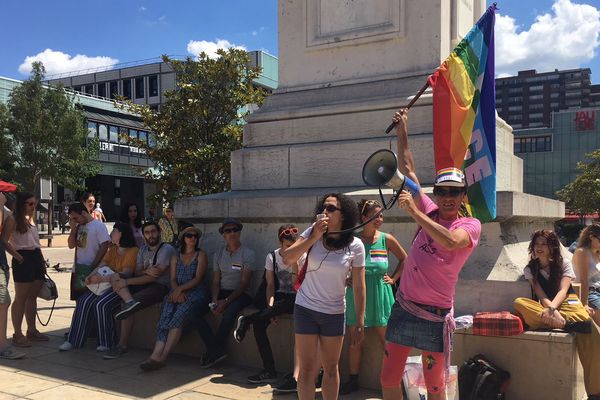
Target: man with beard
[{"x": 149, "y": 284}]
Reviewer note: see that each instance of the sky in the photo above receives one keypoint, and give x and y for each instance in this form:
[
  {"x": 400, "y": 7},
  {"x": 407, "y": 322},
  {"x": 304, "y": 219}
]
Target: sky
[{"x": 75, "y": 35}]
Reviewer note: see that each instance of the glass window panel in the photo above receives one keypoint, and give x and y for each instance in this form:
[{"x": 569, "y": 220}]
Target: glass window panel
[
  {"x": 113, "y": 89},
  {"x": 139, "y": 88},
  {"x": 151, "y": 140},
  {"x": 143, "y": 136},
  {"x": 102, "y": 132},
  {"x": 133, "y": 133},
  {"x": 127, "y": 88},
  {"x": 89, "y": 89},
  {"x": 153, "y": 85},
  {"x": 92, "y": 129},
  {"x": 102, "y": 89},
  {"x": 123, "y": 132},
  {"x": 114, "y": 134}
]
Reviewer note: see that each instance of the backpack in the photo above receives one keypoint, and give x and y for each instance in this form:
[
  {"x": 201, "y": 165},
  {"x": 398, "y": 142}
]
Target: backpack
[
  {"x": 260, "y": 299},
  {"x": 479, "y": 379}
]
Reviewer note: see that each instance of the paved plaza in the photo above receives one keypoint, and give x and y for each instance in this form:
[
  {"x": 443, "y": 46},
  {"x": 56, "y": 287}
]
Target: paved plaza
[{"x": 47, "y": 374}]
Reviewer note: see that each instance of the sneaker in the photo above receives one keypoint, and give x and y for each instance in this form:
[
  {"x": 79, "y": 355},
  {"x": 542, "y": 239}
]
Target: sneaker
[
  {"x": 151, "y": 365},
  {"x": 209, "y": 360},
  {"x": 288, "y": 385},
  {"x": 263, "y": 376},
  {"x": 127, "y": 309},
  {"x": 11, "y": 354},
  {"x": 349, "y": 387},
  {"x": 319, "y": 381},
  {"x": 115, "y": 352},
  {"x": 66, "y": 346},
  {"x": 102, "y": 349},
  {"x": 579, "y": 326},
  {"x": 240, "y": 329}
]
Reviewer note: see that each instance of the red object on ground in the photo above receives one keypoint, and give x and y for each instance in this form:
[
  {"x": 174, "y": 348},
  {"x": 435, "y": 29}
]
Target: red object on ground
[
  {"x": 501, "y": 323},
  {"x": 7, "y": 187}
]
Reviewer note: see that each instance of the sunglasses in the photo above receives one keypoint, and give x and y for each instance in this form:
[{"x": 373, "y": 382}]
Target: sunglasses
[
  {"x": 367, "y": 203},
  {"x": 231, "y": 230},
  {"x": 451, "y": 191},
  {"x": 191, "y": 235},
  {"x": 330, "y": 208},
  {"x": 288, "y": 231}
]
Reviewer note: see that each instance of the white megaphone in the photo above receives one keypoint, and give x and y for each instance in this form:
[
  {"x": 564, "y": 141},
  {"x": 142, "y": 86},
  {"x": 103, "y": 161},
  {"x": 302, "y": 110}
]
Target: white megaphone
[{"x": 381, "y": 169}]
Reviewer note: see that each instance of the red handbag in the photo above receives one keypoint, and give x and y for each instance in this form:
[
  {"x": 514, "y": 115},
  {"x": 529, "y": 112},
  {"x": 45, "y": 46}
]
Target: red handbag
[
  {"x": 501, "y": 323},
  {"x": 302, "y": 272}
]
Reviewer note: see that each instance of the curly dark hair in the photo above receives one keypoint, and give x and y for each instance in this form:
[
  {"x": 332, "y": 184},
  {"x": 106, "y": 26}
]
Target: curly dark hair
[
  {"x": 127, "y": 239},
  {"x": 556, "y": 259},
  {"x": 350, "y": 219}
]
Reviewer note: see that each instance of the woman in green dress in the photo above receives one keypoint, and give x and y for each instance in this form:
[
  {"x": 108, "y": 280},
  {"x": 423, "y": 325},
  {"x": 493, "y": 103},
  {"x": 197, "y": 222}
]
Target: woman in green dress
[{"x": 380, "y": 297}]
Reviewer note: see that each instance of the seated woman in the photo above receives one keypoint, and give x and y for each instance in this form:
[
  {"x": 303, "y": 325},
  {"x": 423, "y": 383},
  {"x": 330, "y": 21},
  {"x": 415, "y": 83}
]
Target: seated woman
[
  {"x": 278, "y": 298},
  {"x": 121, "y": 257},
  {"x": 557, "y": 306},
  {"x": 586, "y": 261},
  {"x": 188, "y": 291}
]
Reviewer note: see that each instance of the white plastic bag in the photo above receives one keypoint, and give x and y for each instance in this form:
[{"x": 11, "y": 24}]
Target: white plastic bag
[{"x": 414, "y": 382}]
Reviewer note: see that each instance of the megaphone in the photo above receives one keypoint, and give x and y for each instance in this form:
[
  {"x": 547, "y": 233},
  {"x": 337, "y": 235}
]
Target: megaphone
[{"x": 381, "y": 169}]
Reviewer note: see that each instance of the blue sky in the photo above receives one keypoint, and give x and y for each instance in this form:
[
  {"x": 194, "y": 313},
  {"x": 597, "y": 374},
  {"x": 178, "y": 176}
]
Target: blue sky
[{"x": 73, "y": 35}]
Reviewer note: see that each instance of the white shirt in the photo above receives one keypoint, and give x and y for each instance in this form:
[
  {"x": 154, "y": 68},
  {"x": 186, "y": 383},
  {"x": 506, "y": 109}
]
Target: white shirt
[
  {"x": 284, "y": 272},
  {"x": 324, "y": 286},
  {"x": 89, "y": 238},
  {"x": 29, "y": 240}
]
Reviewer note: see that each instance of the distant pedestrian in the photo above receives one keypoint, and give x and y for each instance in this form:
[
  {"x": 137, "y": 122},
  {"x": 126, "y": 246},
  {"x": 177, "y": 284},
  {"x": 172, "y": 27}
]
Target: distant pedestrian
[
  {"x": 168, "y": 226},
  {"x": 98, "y": 213},
  {"x": 130, "y": 214}
]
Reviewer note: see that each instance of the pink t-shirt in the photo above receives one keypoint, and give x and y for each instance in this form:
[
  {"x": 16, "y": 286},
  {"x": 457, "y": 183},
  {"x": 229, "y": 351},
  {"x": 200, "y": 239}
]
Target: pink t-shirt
[{"x": 430, "y": 272}]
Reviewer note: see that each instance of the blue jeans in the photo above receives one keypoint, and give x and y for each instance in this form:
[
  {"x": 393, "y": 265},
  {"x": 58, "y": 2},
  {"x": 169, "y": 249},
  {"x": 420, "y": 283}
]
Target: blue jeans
[
  {"x": 594, "y": 300},
  {"x": 215, "y": 343}
]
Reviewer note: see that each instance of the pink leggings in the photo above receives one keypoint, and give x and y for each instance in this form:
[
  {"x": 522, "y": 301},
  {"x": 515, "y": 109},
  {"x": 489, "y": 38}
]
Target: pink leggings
[{"x": 394, "y": 361}]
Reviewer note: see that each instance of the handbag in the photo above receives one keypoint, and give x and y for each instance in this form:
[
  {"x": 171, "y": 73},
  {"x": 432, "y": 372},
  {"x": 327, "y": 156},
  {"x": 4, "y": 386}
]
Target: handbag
[
  {"x": 302, "y": 272},
  {"x": 48, "y": 291},
  {"x": 501, "y": 323}
]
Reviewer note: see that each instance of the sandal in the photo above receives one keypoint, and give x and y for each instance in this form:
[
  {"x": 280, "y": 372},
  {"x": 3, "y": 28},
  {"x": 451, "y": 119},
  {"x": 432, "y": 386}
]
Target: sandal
[
  {"x": 20, "y": 341},
  {"x": 37, "y": 336}
]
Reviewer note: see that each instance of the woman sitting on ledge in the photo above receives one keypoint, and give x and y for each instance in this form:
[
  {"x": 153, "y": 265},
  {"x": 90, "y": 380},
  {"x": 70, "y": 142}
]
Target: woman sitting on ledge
[{"x": 556, "y": 305}]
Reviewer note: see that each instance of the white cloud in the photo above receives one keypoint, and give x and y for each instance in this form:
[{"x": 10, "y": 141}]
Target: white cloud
[
  {"x": 162, "y": 19},
  {"x": 564, "y": 38},
  {"x": 57, "y": 62},
  {"x": 142, "y": 9},
  {"x": 254, "y": 33},
  {"x": 196, "y": 47}
]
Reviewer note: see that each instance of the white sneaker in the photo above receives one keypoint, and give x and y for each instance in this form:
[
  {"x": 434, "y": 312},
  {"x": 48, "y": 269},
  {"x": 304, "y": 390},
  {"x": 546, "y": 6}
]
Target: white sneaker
[
  {"x": 66, "y": 346},
  {"x": 102, "y": 349}
]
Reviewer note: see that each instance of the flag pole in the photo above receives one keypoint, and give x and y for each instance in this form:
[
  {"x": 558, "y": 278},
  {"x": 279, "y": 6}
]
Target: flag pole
[{"x": 410, "y": 104}]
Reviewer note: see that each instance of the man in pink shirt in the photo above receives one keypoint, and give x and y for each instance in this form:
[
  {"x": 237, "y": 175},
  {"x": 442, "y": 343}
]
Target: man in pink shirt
[{"x": 422, "y": 315}]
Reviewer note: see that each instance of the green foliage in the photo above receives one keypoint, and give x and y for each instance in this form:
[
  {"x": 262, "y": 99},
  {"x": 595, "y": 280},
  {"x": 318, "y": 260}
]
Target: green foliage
[
  {"x": 43, "y": 134},
  {"x": 582, "y": 196},
  {"x": 198, "y": 126}
]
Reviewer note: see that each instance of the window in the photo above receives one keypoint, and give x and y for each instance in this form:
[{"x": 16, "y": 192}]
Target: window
[
  {"x": 127, "y": 88},
  {"x": 77, "y": 88},
  {"x": 151, "y": 140},
  {"x": 113, "y": 89},
  {"x": 92, "y": 129},
  {"x": 153, "y": 85},
  {"x": 143, "y": 136},
  {"x": 536, "y": 97},
  {"x": 515, "y": 108},
  {"x": 133, "y": 134},
  {"x": 533, "y": 144},
  {"x": 123, "y": 134},
  {"x": 102, "y": 89},
  {"x": 89, "y": 89},
  {"x": 139, "y": 88},
  {"x": 102, "y": 132},
  {"x": 114, "y": 134}
]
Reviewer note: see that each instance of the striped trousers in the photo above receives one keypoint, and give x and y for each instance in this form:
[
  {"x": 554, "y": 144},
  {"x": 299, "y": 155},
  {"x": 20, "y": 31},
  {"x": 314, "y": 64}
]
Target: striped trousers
[{"x": 94, "y": 309}]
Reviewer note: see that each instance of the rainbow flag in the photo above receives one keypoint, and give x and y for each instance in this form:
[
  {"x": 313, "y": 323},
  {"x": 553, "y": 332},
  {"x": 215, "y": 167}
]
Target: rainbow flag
[{"x": 464, "y": 115}]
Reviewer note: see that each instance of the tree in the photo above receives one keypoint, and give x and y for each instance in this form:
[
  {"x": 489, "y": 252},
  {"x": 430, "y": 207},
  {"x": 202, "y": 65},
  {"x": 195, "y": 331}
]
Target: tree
[
  {"x": 43, "y": 132},
  {"x": 199, "y": 124},
  {"x": 583, "y": 194}
]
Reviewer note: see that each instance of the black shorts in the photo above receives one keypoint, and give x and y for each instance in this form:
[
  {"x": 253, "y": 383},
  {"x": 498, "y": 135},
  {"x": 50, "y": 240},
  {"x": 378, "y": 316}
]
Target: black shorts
[{"x": 31, "y": 269}]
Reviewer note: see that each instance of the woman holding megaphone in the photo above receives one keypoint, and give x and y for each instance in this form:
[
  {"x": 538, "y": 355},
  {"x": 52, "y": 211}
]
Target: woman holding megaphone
[{"x": 422, "y": 314}]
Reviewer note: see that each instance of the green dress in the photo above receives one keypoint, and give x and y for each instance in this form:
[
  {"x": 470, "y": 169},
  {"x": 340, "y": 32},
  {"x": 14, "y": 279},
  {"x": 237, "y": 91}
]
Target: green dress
[{"x": 380, "y": 297}]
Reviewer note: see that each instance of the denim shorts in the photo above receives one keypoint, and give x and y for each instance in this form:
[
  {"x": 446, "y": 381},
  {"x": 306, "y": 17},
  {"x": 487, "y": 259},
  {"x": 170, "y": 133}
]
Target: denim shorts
[
  {"x": 309, "y": 322},
  {"x": 4, "y": 277},
  {"x": 594, "y": 299},
  {"x": 407, "y": 330}
]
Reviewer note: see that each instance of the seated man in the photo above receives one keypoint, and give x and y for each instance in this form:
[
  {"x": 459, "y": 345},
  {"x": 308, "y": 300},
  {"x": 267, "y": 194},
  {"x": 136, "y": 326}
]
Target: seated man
[
  {"x": 232, "y": 272},
  {"x": 148, "y": 285}
]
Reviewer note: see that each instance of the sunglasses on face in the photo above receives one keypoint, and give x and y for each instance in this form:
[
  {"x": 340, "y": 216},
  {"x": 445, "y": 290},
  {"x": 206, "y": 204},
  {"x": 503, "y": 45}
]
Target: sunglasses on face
[
  {"x": 191, "y": 235},
  {"x": 288, "y": 231},
  {"x": 231, "y": 230},
  {"x": 330, "y": 208},
  {"x": 451, "y": 191}
]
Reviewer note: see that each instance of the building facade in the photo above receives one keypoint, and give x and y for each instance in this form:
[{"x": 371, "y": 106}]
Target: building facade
[
  {"x": 529, "y": 99},
  {"x": 550, "y": 154}
]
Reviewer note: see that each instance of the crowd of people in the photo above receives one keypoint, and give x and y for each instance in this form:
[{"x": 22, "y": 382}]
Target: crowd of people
[{"x": 336, "y": 283}]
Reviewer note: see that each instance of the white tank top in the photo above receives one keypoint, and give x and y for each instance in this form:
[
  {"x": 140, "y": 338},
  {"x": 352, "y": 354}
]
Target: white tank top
[
  {"x": 593, "y": 272},
  {"x": 29, "y": 240}
]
